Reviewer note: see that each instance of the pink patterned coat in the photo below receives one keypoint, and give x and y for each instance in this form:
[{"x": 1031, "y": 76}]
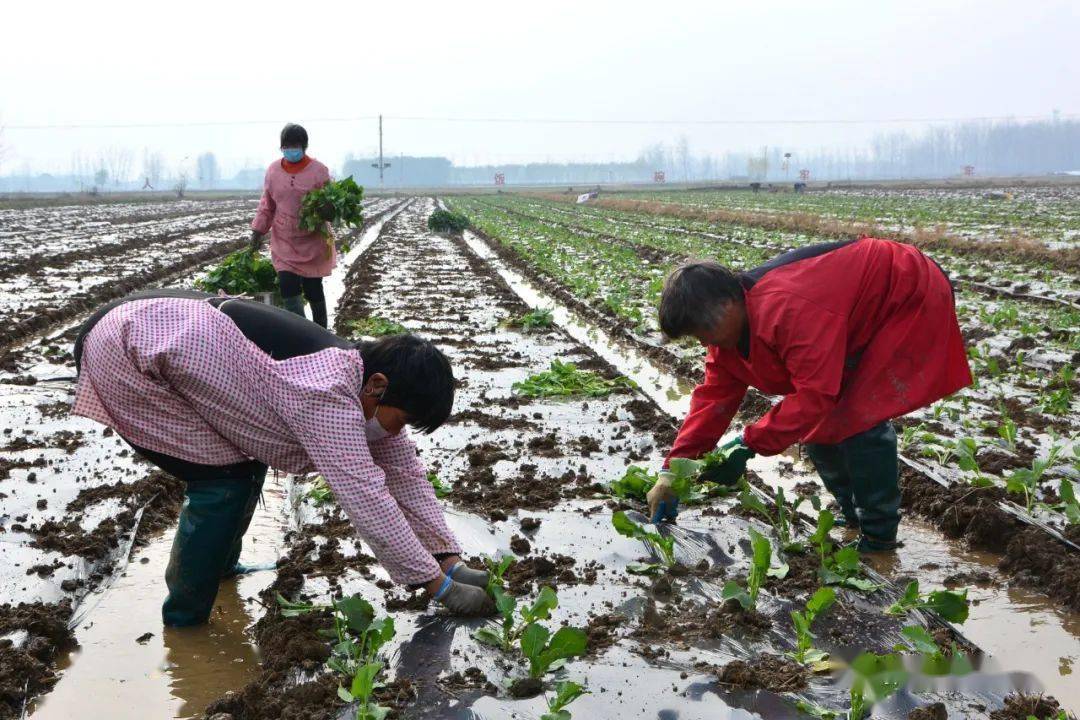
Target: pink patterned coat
[
  {"x": 177, "y": 376},
  {"x": 291, "y": 249}
]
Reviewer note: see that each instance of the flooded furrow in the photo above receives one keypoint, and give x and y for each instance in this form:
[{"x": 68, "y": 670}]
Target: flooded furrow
[
  {"x": 126, "y": 664},
  {"x": 1023, "y": 630}
]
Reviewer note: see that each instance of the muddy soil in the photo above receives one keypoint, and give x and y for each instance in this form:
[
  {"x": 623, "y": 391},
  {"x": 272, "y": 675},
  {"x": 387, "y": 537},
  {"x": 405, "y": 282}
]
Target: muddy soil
[
  {"x": 32, "y": 636},
  {"x": 1029, "y": 555}
]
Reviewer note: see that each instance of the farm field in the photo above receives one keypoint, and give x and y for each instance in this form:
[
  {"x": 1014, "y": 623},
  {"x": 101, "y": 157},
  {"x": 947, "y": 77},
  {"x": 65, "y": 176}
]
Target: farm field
[
  {"x": 1049, "y": 215},
  {"x": 544, "y": 482}
]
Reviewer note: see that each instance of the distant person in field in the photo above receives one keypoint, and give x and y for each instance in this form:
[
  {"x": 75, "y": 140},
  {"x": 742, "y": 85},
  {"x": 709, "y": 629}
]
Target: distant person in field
[
  {"x": 215, "y": 389},
  {"x": 302, "y": 258},
  {"x": 852, "y": 334}
]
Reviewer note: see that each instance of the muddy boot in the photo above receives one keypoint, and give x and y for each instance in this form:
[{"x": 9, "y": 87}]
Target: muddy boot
[
  {"x": 209, "y": 522},
  {"x": 318, "y": 311},
  {"x": 294, "y": 304},
  {"x": 232, "y": 565},
  {"x": 830, "y": 465},
  {"x": 875, "y": 479}
]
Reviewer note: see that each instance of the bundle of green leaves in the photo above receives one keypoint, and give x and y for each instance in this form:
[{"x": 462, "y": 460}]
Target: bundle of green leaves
[
  {"x": 565, "y": 380},
  {"x": 376, "y": 326},
  {"x": 447, "y": 221},
  {"x": 241, "y": 273},
  {"x": 663, "y": 546},
  {"x": 337, "y": 203}
]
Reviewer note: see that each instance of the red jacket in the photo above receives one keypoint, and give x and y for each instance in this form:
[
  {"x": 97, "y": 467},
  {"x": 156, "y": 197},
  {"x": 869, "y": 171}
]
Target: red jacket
[{"x": 857, "y": 335}]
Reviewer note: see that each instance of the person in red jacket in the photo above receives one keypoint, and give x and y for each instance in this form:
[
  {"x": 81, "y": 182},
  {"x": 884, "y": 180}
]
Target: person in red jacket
[{"x": 852, "y": 334}]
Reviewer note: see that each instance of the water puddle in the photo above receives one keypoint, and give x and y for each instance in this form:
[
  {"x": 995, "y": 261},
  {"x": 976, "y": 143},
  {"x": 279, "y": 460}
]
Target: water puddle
[
  {"x": 118, "y": 673},
  {"x": 1021, "y": 631},
  {"x": 672, "y": 394}
]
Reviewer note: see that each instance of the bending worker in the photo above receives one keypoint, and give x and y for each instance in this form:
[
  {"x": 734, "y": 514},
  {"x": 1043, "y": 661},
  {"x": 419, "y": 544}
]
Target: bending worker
[
  {"x": 852, "y": 334},
  {"x": 213, "y": 390},
  {"x": 302, "y": 258}
]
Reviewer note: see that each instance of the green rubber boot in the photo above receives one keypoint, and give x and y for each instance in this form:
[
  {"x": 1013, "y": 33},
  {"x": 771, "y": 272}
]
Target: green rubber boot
[
  {"x": 214, "y": 516},
  {"x": 294, "y": 304},
  {"x": 875, "y": 478},
  {"x": 231, "y": 564},
  {"x": 830, "y": 465}
]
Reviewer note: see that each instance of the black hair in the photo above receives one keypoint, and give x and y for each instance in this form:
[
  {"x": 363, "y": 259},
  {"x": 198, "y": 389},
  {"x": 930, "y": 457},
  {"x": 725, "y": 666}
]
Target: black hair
[
  {"x": 421, "y": 381},
  {"x": 695, "y": 295},
  {"x": 292, "y": 135}
]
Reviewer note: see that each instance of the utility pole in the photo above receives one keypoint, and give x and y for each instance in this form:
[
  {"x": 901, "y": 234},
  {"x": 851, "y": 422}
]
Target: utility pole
[{"x": 380, "y": 165}]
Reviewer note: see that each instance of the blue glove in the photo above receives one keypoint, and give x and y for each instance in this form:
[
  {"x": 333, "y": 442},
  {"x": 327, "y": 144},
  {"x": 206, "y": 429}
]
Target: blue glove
[{"x": 663, "y": 502}]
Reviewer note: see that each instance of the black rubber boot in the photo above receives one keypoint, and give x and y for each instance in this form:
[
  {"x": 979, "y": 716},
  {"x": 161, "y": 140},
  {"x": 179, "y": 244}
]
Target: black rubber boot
[
  {"x": 294, "y": 304},
  {"x": 318, "y": 311},
  {"x": 210, "y": 524},
  {"x": 875, "y": 479},
  {"x": 830, "y": 465}
]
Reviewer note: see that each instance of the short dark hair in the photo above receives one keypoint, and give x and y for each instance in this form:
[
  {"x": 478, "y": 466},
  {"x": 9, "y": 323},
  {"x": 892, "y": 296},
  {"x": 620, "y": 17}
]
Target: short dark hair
[
  {"x": 421, "y": 381},
  {"x": 694, "y": 295},
  {"x": 293, "y": 134}
]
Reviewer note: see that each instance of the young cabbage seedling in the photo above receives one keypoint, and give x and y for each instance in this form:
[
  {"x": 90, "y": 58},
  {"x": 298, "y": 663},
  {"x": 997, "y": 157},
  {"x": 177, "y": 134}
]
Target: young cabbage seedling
[
  {"x": 876, "y": 678},
  {"x": 760, "y": 561},
  {"x": 441, "y": 488},
  {"x": 566, "y": 692},
  {"x": 549, "y": 652},
  {"x": 805, "y": 653},
  {"x": 952, "y": 606},
  {"x": 843, "y": 568},
  {"x": 663, "y": 546},
  {"x": 540, "y": 609},
  {"x": 1025, "y": 481},
  {"x": 320, "y": 492}
]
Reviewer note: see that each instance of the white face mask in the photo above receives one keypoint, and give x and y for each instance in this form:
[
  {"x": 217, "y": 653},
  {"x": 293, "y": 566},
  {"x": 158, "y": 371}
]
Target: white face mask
[{"x": 374, "y": 429}]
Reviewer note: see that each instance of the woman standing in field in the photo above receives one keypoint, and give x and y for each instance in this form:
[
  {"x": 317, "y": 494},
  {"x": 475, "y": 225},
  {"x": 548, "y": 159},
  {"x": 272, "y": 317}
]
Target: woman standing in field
[{"x": 302, "y": 259}]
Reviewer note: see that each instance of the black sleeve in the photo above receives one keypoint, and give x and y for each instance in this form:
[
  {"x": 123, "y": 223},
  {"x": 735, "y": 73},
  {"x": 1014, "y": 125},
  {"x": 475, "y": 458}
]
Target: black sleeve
[{"x": 278, "y": 332}]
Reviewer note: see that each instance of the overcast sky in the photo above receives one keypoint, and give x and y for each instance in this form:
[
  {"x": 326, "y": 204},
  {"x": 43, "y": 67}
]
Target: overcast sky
[{"x": 108, "y": 62}]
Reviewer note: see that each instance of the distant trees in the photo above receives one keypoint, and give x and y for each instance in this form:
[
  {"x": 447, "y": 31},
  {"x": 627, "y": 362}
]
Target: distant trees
[
  {"x": 207, "y": 170},
  {"x": 153, "y": 167},
  {"x": 117, "y": 161}
]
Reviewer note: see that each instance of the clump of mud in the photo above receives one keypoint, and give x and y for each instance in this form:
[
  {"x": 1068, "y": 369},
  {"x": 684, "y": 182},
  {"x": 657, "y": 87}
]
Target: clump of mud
[
  {"x": 937, "y": 711},
  {"x": 29, "y": 669},
  {"x": 765, "y": 672},
  {"x": 1020, "y": 707}
]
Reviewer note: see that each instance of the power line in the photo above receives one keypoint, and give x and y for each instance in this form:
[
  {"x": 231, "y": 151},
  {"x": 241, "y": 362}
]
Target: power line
[{"x": 553, "y": 121}]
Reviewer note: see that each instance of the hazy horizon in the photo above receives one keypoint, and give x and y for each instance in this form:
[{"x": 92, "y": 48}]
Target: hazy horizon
[{"x": 474, "y": 84}]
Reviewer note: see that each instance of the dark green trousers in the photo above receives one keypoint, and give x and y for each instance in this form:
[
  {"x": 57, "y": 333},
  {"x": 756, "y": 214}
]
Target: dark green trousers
[
  {"x": 206, "y": 548},
  {"x": 862, "y": 473}
]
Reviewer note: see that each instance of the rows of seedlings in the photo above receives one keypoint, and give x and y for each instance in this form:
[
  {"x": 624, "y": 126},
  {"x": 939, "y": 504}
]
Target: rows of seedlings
[
  {"x": 43, "y": 289},
  {"x": 1007, "y": 438},
  {"x": 740, "y": 608},
  {"x": 74, "y": 502},
  {"x": 1047, "y": 213}
]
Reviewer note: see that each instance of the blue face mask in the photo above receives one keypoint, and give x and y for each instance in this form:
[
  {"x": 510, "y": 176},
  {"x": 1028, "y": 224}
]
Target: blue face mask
[{"x": 293, "y": 154}]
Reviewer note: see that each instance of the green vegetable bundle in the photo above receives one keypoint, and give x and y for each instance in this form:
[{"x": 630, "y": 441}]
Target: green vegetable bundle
[
  {"x": 242, "y": 273},
  {"x": 446, "y": 221},
  {"x": 337, "y": 203}
]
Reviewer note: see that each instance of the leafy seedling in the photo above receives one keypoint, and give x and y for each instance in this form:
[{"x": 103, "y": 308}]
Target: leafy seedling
[
  {"x": 1025, "y": 481},
  {"x": 320, "y": 492},
  {"x": 1068, "y": 505},
  {"x": 760, "y": 560},
  {"x": 549, "y": 652},
  {"x": 375, "y": 326},
  {"x": 360, "y": 691},
  {"x": 566, "y": 692},
  {"x": 876, "y": 678},
  {"x": 635, "y": 484},
  {"x": 805, "y": 652},
  {"x": 565, "y": 380},
  {"x": 951, "y": 606},
  {"x": 441, "y": 488},
  {"x": 843, "y": 568},
  {"x": 820, "y": 538},
  {"x": 537, "y": 318},
  {"x": 662, "y": 546}
]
